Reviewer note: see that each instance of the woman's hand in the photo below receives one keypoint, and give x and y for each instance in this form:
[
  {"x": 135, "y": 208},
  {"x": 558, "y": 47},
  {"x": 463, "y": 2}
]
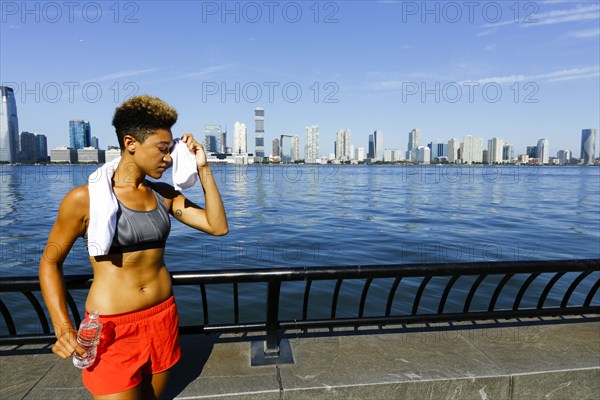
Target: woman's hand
[
  {"x": 196, "y": 148},
  {"x": 67, "y": 344}
]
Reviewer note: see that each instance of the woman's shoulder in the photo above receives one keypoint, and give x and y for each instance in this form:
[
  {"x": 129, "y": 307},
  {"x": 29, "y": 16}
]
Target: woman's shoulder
[{"x": 78, "y": 197}]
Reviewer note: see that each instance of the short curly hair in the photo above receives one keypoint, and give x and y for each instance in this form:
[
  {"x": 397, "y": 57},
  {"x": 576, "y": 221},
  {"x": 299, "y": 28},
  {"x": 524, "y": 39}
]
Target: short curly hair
[{"x": 141, "y": 116}]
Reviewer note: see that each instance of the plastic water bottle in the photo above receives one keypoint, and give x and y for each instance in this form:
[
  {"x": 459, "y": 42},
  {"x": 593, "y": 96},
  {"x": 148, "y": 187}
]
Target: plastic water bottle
[{"x": 88, "y": 337}]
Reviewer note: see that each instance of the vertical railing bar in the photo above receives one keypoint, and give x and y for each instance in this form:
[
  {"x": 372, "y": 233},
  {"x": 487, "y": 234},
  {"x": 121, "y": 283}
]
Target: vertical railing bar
[
  {"x": 523, "y": 289},
  {"x": 572, "y": 288},
  {"x": 472, "y": 292},
  {"x": 204, "y": 303},
  {"x": 274, "y": 291},
  {"x": 390, "y": 300},
  {"x": 236, "y": 304},
  {"x": 38, "y": 310},
  {"x": 548, "y": 288},
  {"x": 334, "y": 300},
  {"x": 74, "y": 309},
  {"x": 363, "y": 297},
  {"x": 420, "y": 294},
  {"x": 305, "y": 303},
  {"x": 10, "y": 324},
  {"x": 590, "y": 296},
  {"x": 446, "y": 293}
]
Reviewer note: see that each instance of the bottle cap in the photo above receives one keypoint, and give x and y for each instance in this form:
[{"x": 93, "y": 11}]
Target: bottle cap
[{"x": 93, "y": 315}]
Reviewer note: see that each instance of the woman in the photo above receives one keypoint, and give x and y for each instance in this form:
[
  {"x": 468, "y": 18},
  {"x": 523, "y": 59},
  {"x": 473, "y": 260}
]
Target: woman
[{"x": 131, "y": 287}]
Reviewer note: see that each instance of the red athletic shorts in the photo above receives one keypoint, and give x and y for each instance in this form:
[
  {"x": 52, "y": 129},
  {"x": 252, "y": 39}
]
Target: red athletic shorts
[{"x": 132, "y": 344}]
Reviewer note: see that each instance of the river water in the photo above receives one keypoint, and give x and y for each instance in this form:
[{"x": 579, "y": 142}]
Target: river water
[{"x": 303, "y": 215}]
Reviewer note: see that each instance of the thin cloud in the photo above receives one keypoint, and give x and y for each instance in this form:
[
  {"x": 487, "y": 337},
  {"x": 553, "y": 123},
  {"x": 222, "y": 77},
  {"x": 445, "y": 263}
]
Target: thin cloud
[
  {"x": 554, "y": 76},
  {"x": 122, "y": 74},
  {"x": 205, "y": 71},
  {"x": 588, "y": 33},
  {"x": 583, "y": 13},
  {"x": 561, "y": 75}
]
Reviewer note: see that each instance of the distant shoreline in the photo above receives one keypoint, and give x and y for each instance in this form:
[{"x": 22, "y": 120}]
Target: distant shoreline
[{"x": 378, "y": 164}]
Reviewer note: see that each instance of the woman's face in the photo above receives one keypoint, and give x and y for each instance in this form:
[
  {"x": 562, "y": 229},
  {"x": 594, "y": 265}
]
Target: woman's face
[{"x": 153, "y": 156}]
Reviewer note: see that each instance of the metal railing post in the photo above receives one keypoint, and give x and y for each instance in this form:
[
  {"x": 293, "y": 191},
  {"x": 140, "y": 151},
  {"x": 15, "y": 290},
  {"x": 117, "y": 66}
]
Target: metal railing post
[
  {"x": 272, "y": 339},
  {"x": 274, "y": 350}
]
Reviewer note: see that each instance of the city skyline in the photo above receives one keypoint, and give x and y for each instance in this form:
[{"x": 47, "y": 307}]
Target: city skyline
[
  {"x": 29, "y": 147},
  {"x": 517, "y": 71}
]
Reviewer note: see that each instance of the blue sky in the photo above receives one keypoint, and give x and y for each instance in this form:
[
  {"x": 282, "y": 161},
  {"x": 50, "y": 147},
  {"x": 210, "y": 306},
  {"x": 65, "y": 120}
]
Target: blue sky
[{"x": 520, "y": 71}]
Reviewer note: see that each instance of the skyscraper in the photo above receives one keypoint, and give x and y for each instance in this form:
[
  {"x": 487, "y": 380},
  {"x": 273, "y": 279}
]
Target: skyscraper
[
  {"x": 259, "y": 133},
  {"x": 80, "y": 134},
  {"x": 543, "y": 151},
  {"x": 508, "y": 152},
  {"x": 532, "y": 151},
  {"x": 453, "y": 149},
  {"x": 495, "y": 147},
  {"x": 439, "y": 150},
  {"x": 371, "y": 150},
  {"x": 342, "y": 145},
  {"x": 240, "y": 138},
  {"x": 276, "y": 148},
  {"x": 213, "y": 138},
  {"x": 564, "y": 157},
  {"x": 42, "y": 148},
  {"x": 311, "y": 149},
  {"x": 472, "y": 149},
  {"x": 287, "y": 148},
  {"x": 414, "y": 141},
  {"x": 95, "y": 142},
  {"x": 295, "y": 147},
  {"x": 223, "y": 148},
  {"x": 9, "y": 126},
  {"x": 378, "y": 142},
  {"x": 28, "y": 147},
  {"x": 588, "y": 146}
]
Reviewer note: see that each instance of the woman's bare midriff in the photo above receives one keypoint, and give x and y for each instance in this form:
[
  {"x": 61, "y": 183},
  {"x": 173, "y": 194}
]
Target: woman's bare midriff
[{"x": 128, "y": 282}]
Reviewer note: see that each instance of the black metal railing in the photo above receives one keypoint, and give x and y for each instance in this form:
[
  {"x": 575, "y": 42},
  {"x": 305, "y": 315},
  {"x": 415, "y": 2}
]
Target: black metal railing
[{"x": 272, "y": 325}]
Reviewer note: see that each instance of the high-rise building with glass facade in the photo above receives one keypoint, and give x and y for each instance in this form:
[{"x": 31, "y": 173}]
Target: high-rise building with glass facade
[
  {"x": 286, "y": 143},
  {"x": 42, "y": 148},
  {"x": 80, "y": 134},
  {"x": 564, "y": 157},
  {"x": 311, "y": 149},
  {"x": 378, "y": 143},
  {"x": 414, "y": 141},
  {"x": 213, "y": 138},
  {"x": 543, "y": 151},
  {"x": 439, "y": 150},
  {"x": 508, "y": 153},
  {"x": 495, "y": 151},
  {"x": 27, "y": 147},
  {"x": 588, "y": 146},
  {"x": 9, "y": 126},
  {"x": 259, "y": 133}
]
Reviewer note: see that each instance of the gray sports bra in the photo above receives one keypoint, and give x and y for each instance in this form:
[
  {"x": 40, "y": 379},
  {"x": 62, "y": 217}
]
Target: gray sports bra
[{"x": 141, "y": 230}]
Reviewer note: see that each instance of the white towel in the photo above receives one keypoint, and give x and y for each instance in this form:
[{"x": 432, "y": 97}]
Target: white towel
[
  {"x": 185, "y": 170},
  {"x": 103, "y": 209},
  {"x": 104, "y": 205}
]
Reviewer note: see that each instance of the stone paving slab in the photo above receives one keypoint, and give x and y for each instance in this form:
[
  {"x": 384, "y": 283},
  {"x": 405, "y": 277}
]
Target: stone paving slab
[
  {"x": 390, "y": 366},
  {"x": 550, "y": 362}
]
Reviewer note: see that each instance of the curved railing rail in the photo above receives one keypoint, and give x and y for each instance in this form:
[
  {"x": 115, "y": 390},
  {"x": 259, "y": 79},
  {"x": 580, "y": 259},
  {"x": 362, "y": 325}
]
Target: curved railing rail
[{"x": 553, "y": 271}]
